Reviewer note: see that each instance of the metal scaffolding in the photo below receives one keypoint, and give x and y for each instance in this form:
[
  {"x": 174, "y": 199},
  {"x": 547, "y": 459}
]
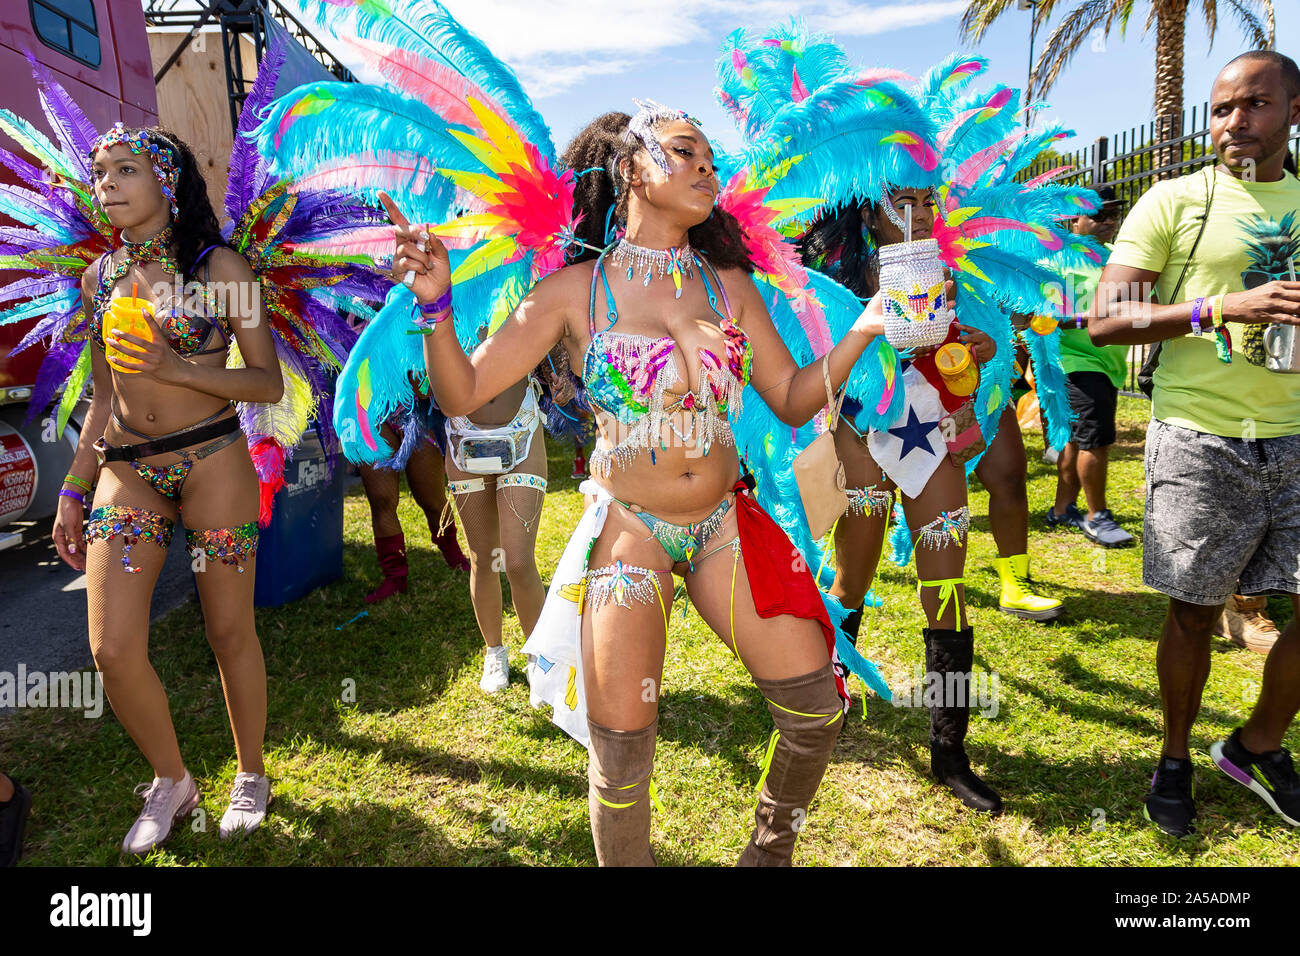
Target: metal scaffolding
[{"x": 235, "y": 18}]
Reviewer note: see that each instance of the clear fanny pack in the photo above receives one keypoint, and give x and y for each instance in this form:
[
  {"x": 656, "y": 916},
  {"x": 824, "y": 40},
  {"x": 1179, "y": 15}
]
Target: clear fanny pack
[{"x": 493, "y": 451}]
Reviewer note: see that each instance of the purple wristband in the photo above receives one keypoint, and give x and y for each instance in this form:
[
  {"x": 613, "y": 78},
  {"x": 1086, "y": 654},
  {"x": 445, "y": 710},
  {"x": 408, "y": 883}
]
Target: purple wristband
[
  {"x": 440, "y": 304},
  {"x": 72, "y": 493},
  {"x": 1197, "y": 306}
]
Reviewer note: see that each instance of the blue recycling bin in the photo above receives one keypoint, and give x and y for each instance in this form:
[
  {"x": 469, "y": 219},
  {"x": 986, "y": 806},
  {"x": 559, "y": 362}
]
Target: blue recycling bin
[{"x": 302, "y": 548}]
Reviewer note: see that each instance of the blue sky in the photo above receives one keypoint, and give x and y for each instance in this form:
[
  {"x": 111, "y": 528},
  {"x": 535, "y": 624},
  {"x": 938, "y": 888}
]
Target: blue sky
[{"x": 578, "y": 58}]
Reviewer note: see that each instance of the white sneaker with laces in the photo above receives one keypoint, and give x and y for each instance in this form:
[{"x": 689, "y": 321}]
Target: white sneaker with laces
[
  {"x": 249, "y": 798},
  {"x": 165, "y": 800},
  {"x": 496, "y": 670}
]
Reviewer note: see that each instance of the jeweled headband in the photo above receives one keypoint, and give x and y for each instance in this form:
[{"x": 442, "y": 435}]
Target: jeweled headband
[
  {"x": 642, "y": 127},
  {"x": 162, "y": 154}
]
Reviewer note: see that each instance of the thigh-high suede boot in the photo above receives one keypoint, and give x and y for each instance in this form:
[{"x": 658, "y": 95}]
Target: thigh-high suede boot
[
  {"x": 619, "y": 766},
  {"x": 808, "y": 714}
]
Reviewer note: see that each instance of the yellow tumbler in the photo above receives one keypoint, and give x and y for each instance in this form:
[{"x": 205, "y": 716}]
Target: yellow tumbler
[
  {"x": 126, "y": 316},
  {"x": 959, "y": 373},
  {"x": 1043, "y": 324}
]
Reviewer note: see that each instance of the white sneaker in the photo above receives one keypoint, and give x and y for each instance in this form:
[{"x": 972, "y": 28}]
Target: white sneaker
[
  {"x": 496, "y": 670},
  {"x": 165, "y": 800},
  {"x": 249, "y": 798}
]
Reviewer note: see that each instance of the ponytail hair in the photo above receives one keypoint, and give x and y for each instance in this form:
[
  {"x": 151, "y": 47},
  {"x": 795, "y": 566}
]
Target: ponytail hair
[{"x": 595, "y": 155}]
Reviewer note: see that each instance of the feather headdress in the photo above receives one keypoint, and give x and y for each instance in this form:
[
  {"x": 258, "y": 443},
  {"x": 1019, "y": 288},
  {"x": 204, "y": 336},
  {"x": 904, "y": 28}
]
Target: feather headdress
[{"x": 1003, "y": 239}]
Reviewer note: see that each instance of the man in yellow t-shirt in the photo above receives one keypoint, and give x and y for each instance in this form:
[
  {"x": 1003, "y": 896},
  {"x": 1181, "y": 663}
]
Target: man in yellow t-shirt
[
  {"x": 1095, "y": 374},
  {"x": 1223, "y": 446}
]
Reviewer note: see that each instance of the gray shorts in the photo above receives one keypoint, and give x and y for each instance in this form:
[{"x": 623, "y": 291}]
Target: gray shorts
[{"x": 1220, "y": 511}]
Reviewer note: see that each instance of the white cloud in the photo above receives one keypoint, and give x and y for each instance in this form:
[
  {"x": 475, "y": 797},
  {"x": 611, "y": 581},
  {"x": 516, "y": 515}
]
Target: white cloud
[
  {"x": 547, "y": 79},
  {"x": 522, "y": 30},
  {"x": 556, "y": 44},
  {"x": 854, "y": 19}
]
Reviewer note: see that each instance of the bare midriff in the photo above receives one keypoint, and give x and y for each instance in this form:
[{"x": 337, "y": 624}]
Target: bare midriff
[
  {"x": 502, "y": 409},
  {"x": 146, "y": 404},
  {"x": 681, "y": 485}
]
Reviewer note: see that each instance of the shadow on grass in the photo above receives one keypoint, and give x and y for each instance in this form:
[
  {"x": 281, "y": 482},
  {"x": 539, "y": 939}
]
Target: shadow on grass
[{"x": 1055, "y": 793}]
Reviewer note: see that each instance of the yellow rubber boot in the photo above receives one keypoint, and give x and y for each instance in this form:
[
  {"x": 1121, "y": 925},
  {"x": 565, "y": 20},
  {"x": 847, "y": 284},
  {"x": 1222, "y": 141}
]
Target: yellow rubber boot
[{"x": 1017, "y": 598}]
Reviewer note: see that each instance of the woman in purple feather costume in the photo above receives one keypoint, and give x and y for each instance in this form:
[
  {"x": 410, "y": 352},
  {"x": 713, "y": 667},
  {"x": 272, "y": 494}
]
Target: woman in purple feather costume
[{"x": 162, "y": 437}]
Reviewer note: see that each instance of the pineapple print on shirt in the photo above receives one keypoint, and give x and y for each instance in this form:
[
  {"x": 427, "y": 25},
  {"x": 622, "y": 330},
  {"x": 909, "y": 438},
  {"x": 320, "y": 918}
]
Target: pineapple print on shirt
[{"x": 1273, "y": 249}]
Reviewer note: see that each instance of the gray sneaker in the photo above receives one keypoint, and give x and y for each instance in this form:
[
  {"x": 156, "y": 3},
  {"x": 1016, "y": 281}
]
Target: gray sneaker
[
  {"x": 249, "y": 798},
  {"x": 1105, "y": 530},
  {"x": 1071, "y": 519},
  {"x": 165, "y": 801}
]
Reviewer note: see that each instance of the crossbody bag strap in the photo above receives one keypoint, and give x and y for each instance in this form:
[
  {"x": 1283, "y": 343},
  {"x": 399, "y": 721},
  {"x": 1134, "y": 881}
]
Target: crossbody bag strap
[
  {"x": 1210, "y": 183},
  {"x": 833, "y": 401}
]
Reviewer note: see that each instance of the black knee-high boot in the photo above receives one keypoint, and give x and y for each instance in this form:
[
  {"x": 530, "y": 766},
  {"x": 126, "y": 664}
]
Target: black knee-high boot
[
  {"x": 952, "y": 653},
  {"x": 853, "y": 623}
]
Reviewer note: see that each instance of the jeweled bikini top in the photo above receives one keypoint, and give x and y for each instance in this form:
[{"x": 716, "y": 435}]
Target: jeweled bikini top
[
  {"x": 630, "y": 376},
  {"x": 185, "y": 329}
]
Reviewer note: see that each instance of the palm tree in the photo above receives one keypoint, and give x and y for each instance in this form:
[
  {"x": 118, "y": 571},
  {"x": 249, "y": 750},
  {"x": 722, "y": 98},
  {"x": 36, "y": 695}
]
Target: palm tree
[{"x": 1169, "y": 17}]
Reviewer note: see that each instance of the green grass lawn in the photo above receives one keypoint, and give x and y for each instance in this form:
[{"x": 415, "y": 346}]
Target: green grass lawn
[{"x": 425, "y": 769}]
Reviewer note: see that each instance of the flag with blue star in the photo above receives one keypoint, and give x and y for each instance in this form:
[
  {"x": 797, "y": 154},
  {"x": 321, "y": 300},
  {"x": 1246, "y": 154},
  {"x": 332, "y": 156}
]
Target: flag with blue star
[{"x": 912, "y": 449}]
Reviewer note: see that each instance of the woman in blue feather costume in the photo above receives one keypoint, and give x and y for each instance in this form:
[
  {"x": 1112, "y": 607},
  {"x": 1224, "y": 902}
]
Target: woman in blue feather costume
[{"x": 924, "y": 427}]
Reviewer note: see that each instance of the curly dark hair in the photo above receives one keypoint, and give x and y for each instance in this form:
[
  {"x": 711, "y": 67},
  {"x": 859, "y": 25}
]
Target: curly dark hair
[
  {"x": 596, "y": 154},
  {"x": 840, "y": 231},
  {"x": 195, "y": 226}
]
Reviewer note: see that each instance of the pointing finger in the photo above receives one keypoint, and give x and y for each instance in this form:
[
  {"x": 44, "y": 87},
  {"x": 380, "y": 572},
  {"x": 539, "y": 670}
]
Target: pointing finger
[{"x": 395, "y": 215}]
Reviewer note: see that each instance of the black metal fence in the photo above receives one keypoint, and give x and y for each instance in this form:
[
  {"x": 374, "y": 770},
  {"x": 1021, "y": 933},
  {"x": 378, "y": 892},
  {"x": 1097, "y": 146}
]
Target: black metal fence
[{"x": 1130, "y": 162}]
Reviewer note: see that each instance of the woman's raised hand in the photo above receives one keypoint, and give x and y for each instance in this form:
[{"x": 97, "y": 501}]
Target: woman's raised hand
[
  {"x": 872, "y": 320},
  {"x": 420, "y": 260}
]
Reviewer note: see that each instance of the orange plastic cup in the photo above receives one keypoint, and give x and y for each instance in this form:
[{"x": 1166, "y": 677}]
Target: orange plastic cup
[
  {"x": 1043, "y": 324},
  {"x": 959, "y": 373},
  {"x": 125, "y": 313}
]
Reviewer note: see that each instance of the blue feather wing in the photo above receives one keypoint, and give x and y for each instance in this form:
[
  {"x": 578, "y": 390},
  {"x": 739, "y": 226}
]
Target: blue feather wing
[
  {"x": 331, "y": 122},
  {"x": 426, "y": 27}
]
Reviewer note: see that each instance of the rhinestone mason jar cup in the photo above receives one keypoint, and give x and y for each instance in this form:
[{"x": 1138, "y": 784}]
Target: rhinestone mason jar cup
[{"x": 916, "y": 309}]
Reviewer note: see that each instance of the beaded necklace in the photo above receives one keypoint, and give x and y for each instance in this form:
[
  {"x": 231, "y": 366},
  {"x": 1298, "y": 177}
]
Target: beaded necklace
[
  {"x": 675, "y": 262},
  {"x": 157, "y": 248}
]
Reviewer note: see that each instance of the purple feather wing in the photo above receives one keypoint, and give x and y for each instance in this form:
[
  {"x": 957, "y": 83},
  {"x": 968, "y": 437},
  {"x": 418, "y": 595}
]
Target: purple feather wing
[
  {"x": 54, "y": 371},
  {"x": 76, "y": 133},
  {"x": 247, "y": 168}
]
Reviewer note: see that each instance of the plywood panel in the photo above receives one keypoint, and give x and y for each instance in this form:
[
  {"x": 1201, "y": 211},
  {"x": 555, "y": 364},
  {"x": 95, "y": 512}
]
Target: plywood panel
[{"x": 193, "y": 102}]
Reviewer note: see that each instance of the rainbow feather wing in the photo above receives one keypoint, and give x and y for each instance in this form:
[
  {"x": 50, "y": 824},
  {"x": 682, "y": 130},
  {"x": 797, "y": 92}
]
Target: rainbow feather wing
[
  {"x": 774, "y": 257},
  {"x": 425, "y": 27},
  {"x": 300, "y": 238},
  {"x": 524, "y": 208},
  {"x": 758, "y": 75},
  {"x": 332, "y": 124},
  {"x": 844, "y": 143},
  {"x": 59, "y": 235}
]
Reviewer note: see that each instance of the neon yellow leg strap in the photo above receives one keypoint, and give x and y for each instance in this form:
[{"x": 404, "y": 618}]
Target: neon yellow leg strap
[
  {"x": 766, "y": 765},
  {"x": 735, "y": 560},
  {"x": 654, "y": 798},
  {"x": 947, "y": 592}
]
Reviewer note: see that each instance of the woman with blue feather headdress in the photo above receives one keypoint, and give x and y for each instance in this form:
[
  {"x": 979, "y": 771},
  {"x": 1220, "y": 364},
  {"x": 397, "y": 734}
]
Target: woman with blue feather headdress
[
  {"x": 921, "y": 419},
  {"x": 627, "y": 253}
]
